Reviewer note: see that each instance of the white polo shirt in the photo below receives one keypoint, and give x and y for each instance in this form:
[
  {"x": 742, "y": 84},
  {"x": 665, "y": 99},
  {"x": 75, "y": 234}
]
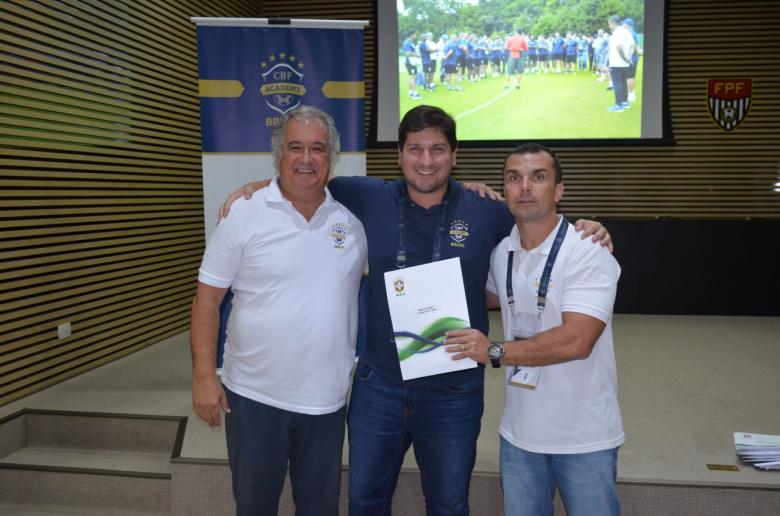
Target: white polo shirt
[
  {"x": 292, "y": 329},
  {"x": 574, "y": 408},
  {"x": 621, "y": 36}
]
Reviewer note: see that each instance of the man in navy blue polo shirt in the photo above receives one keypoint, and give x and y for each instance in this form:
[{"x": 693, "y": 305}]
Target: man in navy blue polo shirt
[{"x": 425, "y": 216}]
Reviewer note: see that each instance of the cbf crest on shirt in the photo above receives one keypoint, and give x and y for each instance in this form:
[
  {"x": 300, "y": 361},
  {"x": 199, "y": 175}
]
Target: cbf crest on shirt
[
  {"x": 338, "y": 232},
  {"x": 459, "y": 233}
]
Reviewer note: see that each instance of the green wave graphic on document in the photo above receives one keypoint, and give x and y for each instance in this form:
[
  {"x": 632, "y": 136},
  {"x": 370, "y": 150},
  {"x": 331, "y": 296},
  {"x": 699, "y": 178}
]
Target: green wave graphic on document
[{"x": 430, "y": 338}]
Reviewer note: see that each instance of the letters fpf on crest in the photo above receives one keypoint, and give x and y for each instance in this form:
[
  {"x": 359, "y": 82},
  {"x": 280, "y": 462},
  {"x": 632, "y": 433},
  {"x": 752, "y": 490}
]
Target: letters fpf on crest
[{"x": 729, "y": 101}]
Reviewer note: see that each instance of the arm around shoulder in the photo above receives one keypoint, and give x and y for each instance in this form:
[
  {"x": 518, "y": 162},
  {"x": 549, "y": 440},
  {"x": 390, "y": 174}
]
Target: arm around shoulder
[
  {"x": 245, "y": 191},
  {"x": 357, "y": 193},
  {"x": 590, "y": 281}
]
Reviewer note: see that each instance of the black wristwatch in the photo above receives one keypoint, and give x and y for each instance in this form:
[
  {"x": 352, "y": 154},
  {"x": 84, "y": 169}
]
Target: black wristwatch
[{"x": 496, "y": 352}]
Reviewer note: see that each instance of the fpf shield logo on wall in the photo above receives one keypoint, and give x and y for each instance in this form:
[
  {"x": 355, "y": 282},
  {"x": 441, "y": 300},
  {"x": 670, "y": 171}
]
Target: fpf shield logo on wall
[
  {"x": 729, "y": 101},
  {"x": 282, "y": 87}
]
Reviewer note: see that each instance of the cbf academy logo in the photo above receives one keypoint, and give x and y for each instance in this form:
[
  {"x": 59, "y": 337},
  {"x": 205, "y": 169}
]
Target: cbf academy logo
[
  {"x": 729, "y": 101},
  {"x": 282, "y": 87},
  {"x": 338, "y": 232},
  {"x": 459, "y": 232}
]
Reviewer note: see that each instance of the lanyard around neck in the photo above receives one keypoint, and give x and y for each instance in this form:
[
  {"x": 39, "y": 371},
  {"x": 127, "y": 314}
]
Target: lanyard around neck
[
  {"x": 400, "y": 261},
  {"x": 544, "y": 282}
]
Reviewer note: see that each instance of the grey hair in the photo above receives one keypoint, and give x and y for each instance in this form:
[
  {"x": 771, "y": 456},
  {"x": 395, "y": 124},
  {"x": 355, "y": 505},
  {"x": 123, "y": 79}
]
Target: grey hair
[{"x": 305, "y": 114}]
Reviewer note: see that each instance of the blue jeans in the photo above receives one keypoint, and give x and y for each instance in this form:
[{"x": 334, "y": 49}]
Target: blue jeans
[
  {"x": 386, "y": 417},
  {"x": 262, "y": 439},
  {"x": 586, "y": 482}
]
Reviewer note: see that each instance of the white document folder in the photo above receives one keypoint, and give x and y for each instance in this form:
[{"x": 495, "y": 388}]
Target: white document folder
[{"x": 426, "y": 301}]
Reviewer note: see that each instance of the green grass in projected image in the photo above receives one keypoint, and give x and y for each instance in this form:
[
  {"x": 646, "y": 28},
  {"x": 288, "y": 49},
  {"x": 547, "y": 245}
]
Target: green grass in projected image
[{"x": 551, "y": 106}]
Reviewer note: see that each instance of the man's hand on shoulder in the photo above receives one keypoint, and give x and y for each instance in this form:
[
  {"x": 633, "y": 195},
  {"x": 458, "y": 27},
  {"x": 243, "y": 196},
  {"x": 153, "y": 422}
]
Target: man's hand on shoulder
[
  {"x": 596, "y": 230},
  {"x": 483, "y": 190},
  {"x": 245, "y": 191}
]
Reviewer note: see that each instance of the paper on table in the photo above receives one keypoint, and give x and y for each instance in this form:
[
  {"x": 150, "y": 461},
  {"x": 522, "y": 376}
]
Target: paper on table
[
  {"x": 745, "y": 438},
  {"x": 425, "y": 302},
  {"x": 760, "y": 450}
]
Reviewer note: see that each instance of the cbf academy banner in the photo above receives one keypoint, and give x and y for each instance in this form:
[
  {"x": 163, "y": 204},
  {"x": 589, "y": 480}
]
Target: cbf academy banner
[{"x": 252, "y": 71}]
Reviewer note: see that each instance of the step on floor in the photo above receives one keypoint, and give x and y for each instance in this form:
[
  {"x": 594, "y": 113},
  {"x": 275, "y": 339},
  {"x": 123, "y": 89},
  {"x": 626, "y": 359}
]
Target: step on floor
[
  {"x": 68, "y": 463},
  {"x": 17, "y": 509},
  {"x": 84, "y": 430},
  {"x": 112, "y": 460}
]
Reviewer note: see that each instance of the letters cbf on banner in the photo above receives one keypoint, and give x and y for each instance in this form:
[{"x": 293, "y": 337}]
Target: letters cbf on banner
[
  {"x": 249, "y": 76},
  {"x": 251, "y": 72}
]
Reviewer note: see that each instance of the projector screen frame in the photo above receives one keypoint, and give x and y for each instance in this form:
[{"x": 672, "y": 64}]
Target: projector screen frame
[{"x": 387, "y": 38}]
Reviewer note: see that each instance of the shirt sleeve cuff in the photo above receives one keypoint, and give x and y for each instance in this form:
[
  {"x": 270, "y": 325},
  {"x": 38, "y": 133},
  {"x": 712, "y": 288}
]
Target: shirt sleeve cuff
[{"x": 213, "y": 281}]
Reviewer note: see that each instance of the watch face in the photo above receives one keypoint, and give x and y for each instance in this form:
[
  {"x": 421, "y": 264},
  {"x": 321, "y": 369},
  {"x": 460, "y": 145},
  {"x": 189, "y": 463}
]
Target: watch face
[{"x": 494, "y": 351}]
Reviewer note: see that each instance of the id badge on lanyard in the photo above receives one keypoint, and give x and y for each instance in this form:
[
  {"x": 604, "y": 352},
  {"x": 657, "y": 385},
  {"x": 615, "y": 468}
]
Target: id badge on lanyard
[{"x": 524, "y": 325}]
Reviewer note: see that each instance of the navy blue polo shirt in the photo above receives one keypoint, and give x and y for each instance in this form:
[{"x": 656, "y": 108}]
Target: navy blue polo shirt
[{"x": 473, "y": 227}]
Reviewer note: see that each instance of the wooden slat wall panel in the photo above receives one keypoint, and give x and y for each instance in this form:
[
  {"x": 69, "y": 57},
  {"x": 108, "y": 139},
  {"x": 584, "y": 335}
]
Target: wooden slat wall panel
[
  {"x": 100, "y": 181},
  {"x": 101, "y": 209},
  {"x": 707, "y": 174}
]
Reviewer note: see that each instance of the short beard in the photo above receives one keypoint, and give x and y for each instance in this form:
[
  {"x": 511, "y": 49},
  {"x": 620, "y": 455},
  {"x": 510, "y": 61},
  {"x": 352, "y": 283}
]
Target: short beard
[{"x": 434, "y": 186}]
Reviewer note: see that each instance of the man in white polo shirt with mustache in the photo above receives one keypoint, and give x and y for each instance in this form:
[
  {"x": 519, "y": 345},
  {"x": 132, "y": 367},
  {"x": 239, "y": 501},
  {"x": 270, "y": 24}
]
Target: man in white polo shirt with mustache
[{"x": 293, "y": 258}]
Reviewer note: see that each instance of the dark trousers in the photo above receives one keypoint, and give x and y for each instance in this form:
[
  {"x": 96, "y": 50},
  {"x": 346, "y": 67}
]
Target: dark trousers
[
  {"x": 262, "y": 440},
  {"x": 620, "y": 84}
]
